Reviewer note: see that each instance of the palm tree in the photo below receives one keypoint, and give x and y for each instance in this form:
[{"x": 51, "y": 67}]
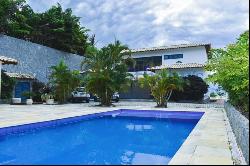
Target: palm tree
[
  {"x": 161, "y": 85},
  {"x": 107, "y": 70},
  {"x": 64, "y": 81}
]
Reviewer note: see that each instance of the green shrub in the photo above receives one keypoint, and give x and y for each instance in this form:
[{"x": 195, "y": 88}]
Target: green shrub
[
  {"x": 193, "y": 89},
  {"x": 7, "y": 84},
  {"x": 37, "y": 89},
  {"x": 230, "y": 67},
  {"x": 28, "y": 94},
  {"x": 213, "y": 94}
]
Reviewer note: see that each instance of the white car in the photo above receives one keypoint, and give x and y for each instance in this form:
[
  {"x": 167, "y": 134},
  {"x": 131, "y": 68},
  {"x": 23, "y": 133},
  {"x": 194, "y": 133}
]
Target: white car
[{"x": 80, "y": 95}]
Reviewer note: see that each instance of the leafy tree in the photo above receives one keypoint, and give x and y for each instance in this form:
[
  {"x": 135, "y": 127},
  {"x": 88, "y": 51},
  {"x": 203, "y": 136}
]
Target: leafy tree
[
  {"x": 193, "y": 89},
  {"x": 7, "y": 84},
  {"x": 107, "y": 71},
  {"x": 56, "y": 28},
  {"x": 161, "y": 85},
  {"x": 60, "y": 29},
  {"x": 230, "y": 69},
  {"x": 64, "y": 81},
  {"x": 13, "y": 20}
]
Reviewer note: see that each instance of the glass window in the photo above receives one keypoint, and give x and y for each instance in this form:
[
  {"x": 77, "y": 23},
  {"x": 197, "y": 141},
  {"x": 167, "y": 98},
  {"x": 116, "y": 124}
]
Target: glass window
[
  {"x": 173, "y": 56},
  {"x": 141, "y": 64}
]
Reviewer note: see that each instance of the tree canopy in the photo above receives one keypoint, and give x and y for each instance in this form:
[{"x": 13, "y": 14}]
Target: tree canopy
[
  {"x": 230, "y": 67},
  {"x": 56, "y": 28}
]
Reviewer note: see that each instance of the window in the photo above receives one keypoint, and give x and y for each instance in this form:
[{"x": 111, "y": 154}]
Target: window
[
  {"x": 145, "y": 62},
  {"x": 173, "y": 56}
]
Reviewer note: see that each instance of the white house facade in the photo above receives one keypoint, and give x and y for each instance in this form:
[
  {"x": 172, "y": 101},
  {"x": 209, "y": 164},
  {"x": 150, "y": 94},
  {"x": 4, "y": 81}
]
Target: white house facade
[{"x": 184, "y": 59}]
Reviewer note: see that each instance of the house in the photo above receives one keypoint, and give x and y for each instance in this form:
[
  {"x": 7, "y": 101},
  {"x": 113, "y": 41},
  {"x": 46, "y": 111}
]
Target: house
[
  {"x": 23, "y": 84},
  {"x": 185, "y": 59}
]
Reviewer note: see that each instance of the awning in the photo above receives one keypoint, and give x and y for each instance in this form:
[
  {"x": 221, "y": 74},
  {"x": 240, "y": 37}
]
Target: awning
[
  {"x": 178, "y": 66},
  {"x": 21, "y": 76},
  {"x": 6, "y": 60}
]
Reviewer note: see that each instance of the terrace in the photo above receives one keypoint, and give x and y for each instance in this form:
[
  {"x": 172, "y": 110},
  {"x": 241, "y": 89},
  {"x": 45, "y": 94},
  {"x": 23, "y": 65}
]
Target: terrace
[{"x": 204, "y": 145}]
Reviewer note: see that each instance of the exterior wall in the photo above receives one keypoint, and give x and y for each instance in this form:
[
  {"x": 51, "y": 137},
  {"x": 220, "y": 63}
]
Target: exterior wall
[
  {"x": 136, "y": 92},
  {"x": 35, "y": 59},
  {"x": 240, "y": 127},
  {"x": 190, "y": 55}
]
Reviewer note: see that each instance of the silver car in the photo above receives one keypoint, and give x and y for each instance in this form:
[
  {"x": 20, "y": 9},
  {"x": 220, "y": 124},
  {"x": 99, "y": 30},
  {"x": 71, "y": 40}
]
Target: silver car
[
  {"x": 80, "y": 95},
  {"x": 115, "y": 97}
]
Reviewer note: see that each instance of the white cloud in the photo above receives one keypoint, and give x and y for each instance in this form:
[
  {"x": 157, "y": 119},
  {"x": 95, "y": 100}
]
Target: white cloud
[{"x": 144, "y": 23}]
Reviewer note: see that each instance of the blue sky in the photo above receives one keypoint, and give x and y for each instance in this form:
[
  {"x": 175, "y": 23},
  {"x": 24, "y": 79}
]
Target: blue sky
[{"x": 148, "y": 23}]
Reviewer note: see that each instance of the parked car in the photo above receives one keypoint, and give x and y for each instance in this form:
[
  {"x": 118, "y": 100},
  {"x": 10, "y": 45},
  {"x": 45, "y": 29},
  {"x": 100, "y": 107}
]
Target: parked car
[
  {"x": 115, "y": 97},
  {"x": 80, "y": 95}
]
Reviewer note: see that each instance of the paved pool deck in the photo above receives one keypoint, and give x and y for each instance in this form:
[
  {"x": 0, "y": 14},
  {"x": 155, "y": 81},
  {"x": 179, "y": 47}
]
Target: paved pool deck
[{"x": 208, "y": 143}]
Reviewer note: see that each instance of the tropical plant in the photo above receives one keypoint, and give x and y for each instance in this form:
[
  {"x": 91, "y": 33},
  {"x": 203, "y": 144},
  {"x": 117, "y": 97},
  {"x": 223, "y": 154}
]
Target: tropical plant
[
  {"x": 47, "y": 96},
  {"x": 64, "y": 81},
  {"x": 193, "y": 89},
  {"x": 107, "y": 71},
  {"x": 229, "y": 68},
  {"x": 213, "y": 94},
  {"x": 7, "y": 84},
  {"x": 37, "y": 89},
  {"x": 161, "y": 85},
  {"x": 28, "y": 94}
]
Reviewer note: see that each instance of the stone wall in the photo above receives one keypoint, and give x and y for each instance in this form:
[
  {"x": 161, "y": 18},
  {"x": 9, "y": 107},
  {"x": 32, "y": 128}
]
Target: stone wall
[
  {"x": 240, "y": 127},
  {"x": 33, "y": 58}
]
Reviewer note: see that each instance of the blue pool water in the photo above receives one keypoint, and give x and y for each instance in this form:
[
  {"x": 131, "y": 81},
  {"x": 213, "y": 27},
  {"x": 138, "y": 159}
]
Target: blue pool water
[{"x": 101, "y": 140}]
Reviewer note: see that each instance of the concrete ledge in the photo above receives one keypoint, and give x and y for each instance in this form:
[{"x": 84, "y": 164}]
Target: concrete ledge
[{"x": 240, "y": 127}]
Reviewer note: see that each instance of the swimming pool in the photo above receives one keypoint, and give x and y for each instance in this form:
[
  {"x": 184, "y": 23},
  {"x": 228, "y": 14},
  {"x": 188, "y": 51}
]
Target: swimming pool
[{"x": 115, "y": 137}]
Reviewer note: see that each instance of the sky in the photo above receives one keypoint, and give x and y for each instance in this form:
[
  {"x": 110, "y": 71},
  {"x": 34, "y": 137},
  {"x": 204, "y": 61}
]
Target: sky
[{"x": 152, "y": 23}]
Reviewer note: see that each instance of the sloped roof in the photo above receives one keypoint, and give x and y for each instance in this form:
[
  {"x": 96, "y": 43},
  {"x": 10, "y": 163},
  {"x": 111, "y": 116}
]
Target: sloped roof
[
  {"x": 178, "y": 66},
  {"x": 207, "y": 45},
  {"x": 21, "y": 76},
  {"x": 6, "y": 60}
]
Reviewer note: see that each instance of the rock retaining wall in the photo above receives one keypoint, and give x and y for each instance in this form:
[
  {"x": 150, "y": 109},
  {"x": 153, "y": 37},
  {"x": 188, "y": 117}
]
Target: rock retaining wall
[
  {"x": 35, "y": 59},
  {"x": 240, "y": 127}
]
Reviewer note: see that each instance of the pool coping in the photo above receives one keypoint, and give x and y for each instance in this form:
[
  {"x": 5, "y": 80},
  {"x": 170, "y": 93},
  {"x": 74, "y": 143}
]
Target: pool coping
[{"x": 184, "y": 155}]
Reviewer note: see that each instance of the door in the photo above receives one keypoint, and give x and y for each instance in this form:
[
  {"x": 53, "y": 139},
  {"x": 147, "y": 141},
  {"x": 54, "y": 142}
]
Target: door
[{"x": 20, "y": 88}]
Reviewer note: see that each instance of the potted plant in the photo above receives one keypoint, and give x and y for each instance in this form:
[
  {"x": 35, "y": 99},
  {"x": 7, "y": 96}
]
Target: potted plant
[
  {"x": 29, "y": 95},
  {"x": 213, "y": 96},
  {"x": 16, "y": 100},
  {"x": 48, "y": 98}
]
